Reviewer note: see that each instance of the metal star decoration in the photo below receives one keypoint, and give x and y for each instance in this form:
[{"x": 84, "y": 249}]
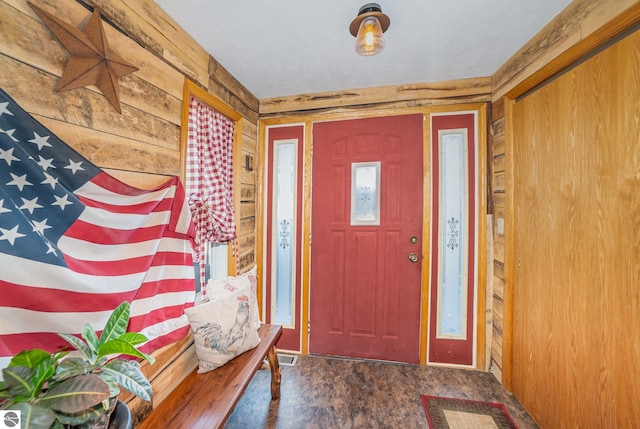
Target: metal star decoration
[{"x": 92, "y": 62}]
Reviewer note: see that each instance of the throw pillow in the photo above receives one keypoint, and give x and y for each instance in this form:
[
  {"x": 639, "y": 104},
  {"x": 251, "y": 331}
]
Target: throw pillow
[
  {"x": 244, "y": 282},
  {"x": 222, "y": 328}
]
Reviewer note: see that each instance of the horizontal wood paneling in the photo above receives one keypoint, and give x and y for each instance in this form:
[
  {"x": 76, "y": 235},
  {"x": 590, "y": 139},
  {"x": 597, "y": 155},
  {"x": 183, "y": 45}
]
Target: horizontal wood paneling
[
  {"x": 498, "y": 285},
  {"x": 498, "y": 128},
  {"x": 153, "y": 72},
  {"x": 496, "y": 370},
  {"x": 499, "y": 163},
  {"x": 577, "y": 30},
  {"x": 489, "y": 293},
  {"x": 141, "y": 146},
  {"x": 173, "y": 363},
  {"x": 81, "y": 107},
  {"x": 247, "y": 193},
  {"x": 496, "y": 347},
  {"x": 111, "y": 151},
  {"x": 499, "y": 181},
  {"x": 138, "y": 179},
  {"x": 390, "y": 97},
  {"x": 497, "y": 187},
  {"x": 229, "y": 90},
  {"x": 149, "y": 25},
  {"x": 497, "y": 109}
]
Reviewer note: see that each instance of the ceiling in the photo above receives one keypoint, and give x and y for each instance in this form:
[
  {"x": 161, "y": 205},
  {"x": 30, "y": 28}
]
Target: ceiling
[{"x": 290, "y": 47}]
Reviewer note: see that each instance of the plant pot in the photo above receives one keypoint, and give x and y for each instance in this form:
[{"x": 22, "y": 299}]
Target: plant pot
[
  {"x": 118, "y": 416},
  {"x": 121, "y": 417}
]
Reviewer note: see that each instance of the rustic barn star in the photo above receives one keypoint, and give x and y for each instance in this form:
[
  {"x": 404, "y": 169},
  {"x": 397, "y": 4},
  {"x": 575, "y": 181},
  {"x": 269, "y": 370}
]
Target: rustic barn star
[{"x": 92, "y": 61}]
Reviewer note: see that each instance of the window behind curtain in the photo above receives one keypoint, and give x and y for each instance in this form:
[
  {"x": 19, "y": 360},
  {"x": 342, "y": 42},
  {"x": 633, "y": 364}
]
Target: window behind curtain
[{"x": 209, "y": 184}]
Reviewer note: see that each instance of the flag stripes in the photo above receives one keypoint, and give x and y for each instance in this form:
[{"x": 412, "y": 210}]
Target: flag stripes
[{"x": 75, "y": 242}]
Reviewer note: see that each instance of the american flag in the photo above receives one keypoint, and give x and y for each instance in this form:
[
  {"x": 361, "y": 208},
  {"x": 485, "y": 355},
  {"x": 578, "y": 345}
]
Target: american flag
[{"x": 75, "y": 242}]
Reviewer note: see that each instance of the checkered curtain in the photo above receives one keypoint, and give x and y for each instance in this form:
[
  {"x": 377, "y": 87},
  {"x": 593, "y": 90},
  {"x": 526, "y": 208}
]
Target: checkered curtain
[{"x": 209, "y": 181}]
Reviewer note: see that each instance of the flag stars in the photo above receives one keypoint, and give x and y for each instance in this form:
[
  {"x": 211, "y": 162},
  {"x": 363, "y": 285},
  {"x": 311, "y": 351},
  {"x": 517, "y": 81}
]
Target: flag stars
[
  {"x": 62, "y": 201},
  {"x": 30, "y": 205},
  {"x": 45, "y": 164},
  {"x": 40, "y": 141},
  {"x": 51, "y": 249},
  {"x": 7, "y": 155},
  {"x": 9, "y": 133},
  {"x": 10, "y": 234},
  {"x": 19, "y": 181},
  {"x": 40, "y": 226},
  {"x": 2, "y": 208},
  {"x": 74, "y": 166},
  {"x": 3, "y": 109},
  {"x": 50, "y": 180}
]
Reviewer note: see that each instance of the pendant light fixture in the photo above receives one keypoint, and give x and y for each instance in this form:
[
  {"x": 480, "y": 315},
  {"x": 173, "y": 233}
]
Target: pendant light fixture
[{"x": 368, "y": 28}]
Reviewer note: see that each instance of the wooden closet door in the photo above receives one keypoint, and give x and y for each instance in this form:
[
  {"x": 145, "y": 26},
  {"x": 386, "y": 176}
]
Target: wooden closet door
[{"x": 576, "y": 342}]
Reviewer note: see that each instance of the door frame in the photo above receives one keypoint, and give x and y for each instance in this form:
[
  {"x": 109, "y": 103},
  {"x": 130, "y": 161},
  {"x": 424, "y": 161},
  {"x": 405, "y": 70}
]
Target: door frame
[
  {"x": 268, "y": 295},
  {"x": 481, "y": 108},
  {"x": 477, "y": 222}
]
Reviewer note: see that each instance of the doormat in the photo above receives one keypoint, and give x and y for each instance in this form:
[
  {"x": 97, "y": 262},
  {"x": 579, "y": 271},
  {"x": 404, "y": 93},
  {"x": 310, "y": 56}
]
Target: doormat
[{"x": 451, "y": 413}]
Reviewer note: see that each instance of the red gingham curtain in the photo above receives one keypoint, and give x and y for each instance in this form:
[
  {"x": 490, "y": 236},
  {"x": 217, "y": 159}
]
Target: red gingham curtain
[{"x": 209, "y": 181}]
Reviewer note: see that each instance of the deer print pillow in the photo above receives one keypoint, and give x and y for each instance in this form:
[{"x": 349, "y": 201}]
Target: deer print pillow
[{"x": 222, "y": 327}]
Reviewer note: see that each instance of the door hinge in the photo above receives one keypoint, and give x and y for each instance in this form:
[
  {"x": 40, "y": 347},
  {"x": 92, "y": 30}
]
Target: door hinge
[{"x": 308, "y": 327}]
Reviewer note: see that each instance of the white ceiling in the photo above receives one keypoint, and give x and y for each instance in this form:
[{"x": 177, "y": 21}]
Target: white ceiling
[{"x": 290, "y": 47}]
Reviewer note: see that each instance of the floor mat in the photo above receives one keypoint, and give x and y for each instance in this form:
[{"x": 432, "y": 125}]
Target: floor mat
[{"x": 451, "y": 413}]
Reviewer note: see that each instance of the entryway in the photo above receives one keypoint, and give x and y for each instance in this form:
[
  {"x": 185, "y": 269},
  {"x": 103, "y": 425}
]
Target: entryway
[{"x": 383, "y": 228}]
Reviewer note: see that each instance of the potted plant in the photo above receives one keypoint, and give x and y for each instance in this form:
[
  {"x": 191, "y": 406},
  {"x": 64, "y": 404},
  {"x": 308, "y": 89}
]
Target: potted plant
[{"x": 57, "y": 390}]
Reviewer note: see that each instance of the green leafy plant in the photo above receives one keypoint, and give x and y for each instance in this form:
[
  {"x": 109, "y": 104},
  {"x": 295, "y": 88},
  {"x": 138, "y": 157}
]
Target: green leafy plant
[{"x": 54, "y": 390}]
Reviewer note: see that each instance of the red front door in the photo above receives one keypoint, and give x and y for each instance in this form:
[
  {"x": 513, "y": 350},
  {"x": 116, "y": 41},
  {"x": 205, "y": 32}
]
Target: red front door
[{"x": 365, "y": 289}]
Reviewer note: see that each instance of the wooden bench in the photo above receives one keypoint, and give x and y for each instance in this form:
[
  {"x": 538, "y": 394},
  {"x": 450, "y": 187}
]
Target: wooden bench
[{"x": 207, "y": 400}]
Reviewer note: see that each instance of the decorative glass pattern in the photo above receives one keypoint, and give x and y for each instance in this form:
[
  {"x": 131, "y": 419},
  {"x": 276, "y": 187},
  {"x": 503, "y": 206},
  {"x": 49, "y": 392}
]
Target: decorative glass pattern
[
  {"x": 284, "y": 233},
  {"x": 452, "y": 234},
  {"x": 284, "y": 203},
  {"x": 452, "y": 288},
  {"x": 365, "y": 193}
]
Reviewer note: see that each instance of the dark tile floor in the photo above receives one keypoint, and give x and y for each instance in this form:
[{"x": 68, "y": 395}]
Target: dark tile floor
[{"x": 327, "y": 393}]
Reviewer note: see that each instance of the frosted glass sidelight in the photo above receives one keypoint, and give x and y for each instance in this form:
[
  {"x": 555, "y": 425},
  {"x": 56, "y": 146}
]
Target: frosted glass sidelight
[
  {"x": 284, "y": 240},
  {"x": 452, "y": 288},
  {"x": 365, "y": 193}
]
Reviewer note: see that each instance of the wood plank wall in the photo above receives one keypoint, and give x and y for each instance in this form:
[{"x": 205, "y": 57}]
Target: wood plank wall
[
  {"x": 497, "y": 208},
  {"x": 363, "y": 101},
  {"x": 141, "y": 146}
]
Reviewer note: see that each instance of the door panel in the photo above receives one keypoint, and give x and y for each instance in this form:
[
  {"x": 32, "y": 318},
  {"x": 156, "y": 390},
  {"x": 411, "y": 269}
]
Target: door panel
[
  {"x": 453, "y": 243},
  {"x": 365, "y": 292}
]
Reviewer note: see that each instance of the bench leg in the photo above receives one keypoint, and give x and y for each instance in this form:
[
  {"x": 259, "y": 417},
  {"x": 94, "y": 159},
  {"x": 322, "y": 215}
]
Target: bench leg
[{"x": 275, "y": 373}]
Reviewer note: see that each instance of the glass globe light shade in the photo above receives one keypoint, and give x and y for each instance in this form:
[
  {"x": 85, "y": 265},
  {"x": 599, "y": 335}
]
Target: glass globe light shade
[{"x": 370, "y": 38}]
